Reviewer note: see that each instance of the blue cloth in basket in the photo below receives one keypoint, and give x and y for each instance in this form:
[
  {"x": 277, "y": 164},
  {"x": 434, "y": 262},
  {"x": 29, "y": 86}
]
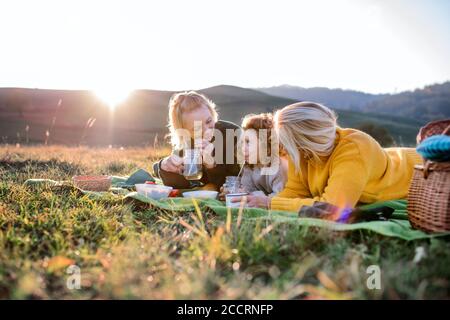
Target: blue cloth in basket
[{"x": 435, "y": 148}]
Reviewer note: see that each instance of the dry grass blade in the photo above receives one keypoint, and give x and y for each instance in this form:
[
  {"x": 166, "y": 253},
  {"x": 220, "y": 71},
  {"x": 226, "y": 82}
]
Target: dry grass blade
[
  {"x": 191, "y": 228},
  {"x": 228, "y": 222},
  {"x": 199, "y": 213},
  {"x": 241, "y": 210},
  {"x": 264, "y": 231}
]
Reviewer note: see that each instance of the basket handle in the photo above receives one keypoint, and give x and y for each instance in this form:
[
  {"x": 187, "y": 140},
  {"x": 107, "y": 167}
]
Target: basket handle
[{"x": 426, "y": 167}]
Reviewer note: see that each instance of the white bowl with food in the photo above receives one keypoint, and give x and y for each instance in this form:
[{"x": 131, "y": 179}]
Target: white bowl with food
[
  {"x": 153, "y": 191},
  {"x": 201, "y": 194}
]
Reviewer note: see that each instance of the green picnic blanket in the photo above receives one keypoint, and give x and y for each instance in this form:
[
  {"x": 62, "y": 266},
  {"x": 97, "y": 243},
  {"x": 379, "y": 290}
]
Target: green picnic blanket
[{"x": 398, "y": 226}]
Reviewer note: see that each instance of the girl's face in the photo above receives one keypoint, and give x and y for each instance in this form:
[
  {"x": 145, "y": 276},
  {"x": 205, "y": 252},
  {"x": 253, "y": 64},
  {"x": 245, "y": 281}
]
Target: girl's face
[
  {"x": 203, "y": 116},
  {"x": 250, "y": 146}
]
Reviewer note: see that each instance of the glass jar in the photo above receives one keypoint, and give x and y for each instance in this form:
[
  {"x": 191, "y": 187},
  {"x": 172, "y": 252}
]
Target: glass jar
[
  {"x": 232, "y": 184},
  {"x": 192, "y": 164}
]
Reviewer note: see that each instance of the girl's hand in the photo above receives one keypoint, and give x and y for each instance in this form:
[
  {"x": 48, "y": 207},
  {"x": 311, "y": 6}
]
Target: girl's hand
[
  {"x": 254, "y": 201},
  {"x": 222, "y": 192},
  {"x": 173, "y": 164}
]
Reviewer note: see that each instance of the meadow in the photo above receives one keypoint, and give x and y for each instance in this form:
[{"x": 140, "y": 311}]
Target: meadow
[{"x": 127, "y": 252}]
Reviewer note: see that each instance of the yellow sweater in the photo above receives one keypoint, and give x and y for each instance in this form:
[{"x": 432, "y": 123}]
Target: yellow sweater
[{"x": 358, "y": 170}]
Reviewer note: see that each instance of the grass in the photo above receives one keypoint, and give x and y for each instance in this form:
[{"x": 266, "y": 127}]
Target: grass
[{"x": 125, "y": 253}]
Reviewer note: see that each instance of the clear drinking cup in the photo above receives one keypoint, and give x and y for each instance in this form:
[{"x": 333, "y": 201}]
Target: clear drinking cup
[{"x": 192, "y": 161}]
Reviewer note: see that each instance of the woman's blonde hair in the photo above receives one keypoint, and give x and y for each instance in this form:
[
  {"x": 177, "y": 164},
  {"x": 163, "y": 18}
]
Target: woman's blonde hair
[
  {"x": 183, "y": 102},
  {"x": 306, "y": 129}
]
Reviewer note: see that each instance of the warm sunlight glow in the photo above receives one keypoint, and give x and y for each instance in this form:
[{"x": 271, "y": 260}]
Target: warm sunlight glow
[
  {"x": 112, "y": 96},
  {"x": 368, "y": 45}
]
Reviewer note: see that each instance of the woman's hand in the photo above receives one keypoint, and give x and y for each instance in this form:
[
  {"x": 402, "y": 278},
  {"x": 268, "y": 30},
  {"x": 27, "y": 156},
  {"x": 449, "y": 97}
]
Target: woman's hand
[
  {"x": 222, "y": 194},
  {"x": 254, "y": 201},
  {"x": 207, "y": 157},
  {"x": 173, "y": 164}
]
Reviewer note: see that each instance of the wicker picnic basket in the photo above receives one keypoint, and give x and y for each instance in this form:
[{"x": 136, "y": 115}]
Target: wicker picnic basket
[
  {"x": 92, "y": 183},
  {"x": 429, "y": 193}
]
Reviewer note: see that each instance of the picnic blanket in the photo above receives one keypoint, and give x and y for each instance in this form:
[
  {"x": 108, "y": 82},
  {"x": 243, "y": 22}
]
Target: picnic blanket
[{"x": 398, "y": 226}]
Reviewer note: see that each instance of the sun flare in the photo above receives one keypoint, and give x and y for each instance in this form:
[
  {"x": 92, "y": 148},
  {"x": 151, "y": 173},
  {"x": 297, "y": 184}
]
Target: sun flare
[{"x": 112, "y": 96}]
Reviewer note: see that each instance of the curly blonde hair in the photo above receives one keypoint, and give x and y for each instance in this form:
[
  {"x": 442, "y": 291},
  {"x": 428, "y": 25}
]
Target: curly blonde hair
[{"x": 263, "y": 121}]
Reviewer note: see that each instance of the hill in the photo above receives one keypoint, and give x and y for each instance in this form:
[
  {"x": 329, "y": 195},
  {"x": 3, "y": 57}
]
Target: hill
[
  {"x": 142, "y": 117},
  {"x": 427, "y": 104}
]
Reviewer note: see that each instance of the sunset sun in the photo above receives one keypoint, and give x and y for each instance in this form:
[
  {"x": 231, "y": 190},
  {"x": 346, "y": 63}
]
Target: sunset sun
[{"x": 112, "y": 96}]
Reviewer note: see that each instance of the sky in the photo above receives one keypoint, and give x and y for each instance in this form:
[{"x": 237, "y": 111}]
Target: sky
[{"x": 113, "y": 47}]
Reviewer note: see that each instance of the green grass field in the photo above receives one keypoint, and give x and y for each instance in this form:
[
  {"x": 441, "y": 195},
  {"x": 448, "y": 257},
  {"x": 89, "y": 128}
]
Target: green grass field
[{"x": 125, "y": 253}]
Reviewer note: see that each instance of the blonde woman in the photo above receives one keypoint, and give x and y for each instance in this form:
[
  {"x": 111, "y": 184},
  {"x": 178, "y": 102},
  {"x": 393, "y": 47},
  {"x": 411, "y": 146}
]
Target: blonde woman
[
  {"x": 186, "y": 110},
  {"x": 339, "y": 166}
]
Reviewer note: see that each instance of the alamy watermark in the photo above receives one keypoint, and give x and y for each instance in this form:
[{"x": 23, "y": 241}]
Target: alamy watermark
[
  {"x": 373, "y": 281},
  {"x": 232, "y": 144},
  {"x": 73, "y": 281}
]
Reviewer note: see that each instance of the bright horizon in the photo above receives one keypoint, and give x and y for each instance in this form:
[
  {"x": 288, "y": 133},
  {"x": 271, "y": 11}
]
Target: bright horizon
[{"x": 113, "y": 47}]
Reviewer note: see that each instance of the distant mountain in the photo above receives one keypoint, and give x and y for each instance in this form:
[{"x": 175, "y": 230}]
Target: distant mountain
[
  {"x": 427, "y": 104},
  {"x": 333, "y": 98},
  {"x": 143, "y": 116},
  {"x": 422, "y": 105}
]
